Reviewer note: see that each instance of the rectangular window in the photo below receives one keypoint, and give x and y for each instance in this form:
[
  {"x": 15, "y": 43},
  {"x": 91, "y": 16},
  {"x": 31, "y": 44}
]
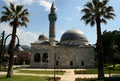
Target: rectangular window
[
  {"x": 71, "y": 63},
  {"x": 57, "y": 63},
  {"x": 82, "y": 63}
]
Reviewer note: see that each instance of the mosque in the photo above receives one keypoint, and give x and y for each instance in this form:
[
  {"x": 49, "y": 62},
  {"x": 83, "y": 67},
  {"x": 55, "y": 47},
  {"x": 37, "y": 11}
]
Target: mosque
[{"x": 73, "y": 50}]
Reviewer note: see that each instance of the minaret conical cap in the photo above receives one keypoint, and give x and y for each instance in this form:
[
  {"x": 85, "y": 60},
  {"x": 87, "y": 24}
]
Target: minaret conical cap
[{"x": 53, "y": 5}]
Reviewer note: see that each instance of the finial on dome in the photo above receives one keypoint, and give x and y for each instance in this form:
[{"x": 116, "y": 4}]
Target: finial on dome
[{"x": 43, "y": 33}]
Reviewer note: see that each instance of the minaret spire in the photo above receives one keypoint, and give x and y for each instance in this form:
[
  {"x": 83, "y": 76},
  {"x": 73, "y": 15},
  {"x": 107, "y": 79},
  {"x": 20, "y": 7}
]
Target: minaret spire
[
  {"x": 52, "y": 9},
  {"x": 52, "y": 19},
  {"x": 52, "y": 5}
]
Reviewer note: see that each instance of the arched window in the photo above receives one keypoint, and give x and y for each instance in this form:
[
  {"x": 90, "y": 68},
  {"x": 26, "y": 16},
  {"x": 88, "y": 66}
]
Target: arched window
[
  {"x": 45, "y": 57},
  {"x": 37, "y": 57}
]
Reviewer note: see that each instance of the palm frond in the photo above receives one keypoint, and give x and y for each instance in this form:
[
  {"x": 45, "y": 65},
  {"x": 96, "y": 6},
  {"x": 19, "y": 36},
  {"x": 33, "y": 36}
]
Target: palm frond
[
  {"x": 24, "y": 13},
  {"x": 19, "y": 8},
  {"x": 85, "y": 10},
  {"x": 87, "y": 21},
  {"x": 11, "y": 23},
  {"x": 23, "y": 24},
  {"x": 4, "y": 19},
  {"x": 92, "y": 20},
  {"x": 109, "y": 9},
  {"x": 6, "y": 13},
  {"x": 89, "y": 5},
  {"x": 13, "y": 13},
  {"x": 92, "y": 23},
  {"x": 108, "y": 17},
  {"x": 12, "y": 7},
  {"x": 6, "y": 8},
  {"x": 95, "y": 3},
  {"x": 24, "y": 19},
  {"x": 85, "y": 17},
  {"x": 111, "y": 14},
  {"x": 103, "y": 3},
  {"x": 103, "y": 21}
]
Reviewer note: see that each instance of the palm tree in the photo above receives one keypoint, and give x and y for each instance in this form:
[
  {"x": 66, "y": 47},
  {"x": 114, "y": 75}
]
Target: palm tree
[
  {"x": 17, "y": 17},
  {"x": 96, "y": 12}
]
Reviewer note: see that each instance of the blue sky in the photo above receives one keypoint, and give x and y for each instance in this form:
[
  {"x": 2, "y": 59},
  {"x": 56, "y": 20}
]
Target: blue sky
[{"x": 68, "y": 13}]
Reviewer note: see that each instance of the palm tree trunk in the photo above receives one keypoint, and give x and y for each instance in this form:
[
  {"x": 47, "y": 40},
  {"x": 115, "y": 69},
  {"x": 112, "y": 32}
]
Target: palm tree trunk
[
  {"x": 99, "y": 50},
  {"x": 11, "y": 53}
]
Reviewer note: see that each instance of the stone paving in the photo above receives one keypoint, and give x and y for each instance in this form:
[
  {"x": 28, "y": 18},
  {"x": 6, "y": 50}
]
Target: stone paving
[{"x": 68, "y": 76}]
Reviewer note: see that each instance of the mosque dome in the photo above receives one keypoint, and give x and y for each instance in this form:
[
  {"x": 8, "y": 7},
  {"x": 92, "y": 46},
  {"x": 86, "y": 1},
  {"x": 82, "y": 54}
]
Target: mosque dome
[
  {"x": 42, "y": 37},
  {"x": 74, "y": 37}
]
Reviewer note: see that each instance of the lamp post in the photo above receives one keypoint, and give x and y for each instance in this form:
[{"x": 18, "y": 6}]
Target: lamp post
[
  {"x": 1, "y": 51},
  {"x": 114, "y": 50},
  {"x": 56, "y": 58},
  {"x": 3, "y": 43},
  {"x": 54, "y": 66}
]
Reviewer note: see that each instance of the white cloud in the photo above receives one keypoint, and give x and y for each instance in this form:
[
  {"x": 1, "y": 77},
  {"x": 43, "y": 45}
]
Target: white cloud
[
  {"x": 79, "y": 8},
  {"x": 19, "y": 1},
  {"x": 61, "y": 32},
  {"x": 25, "y": 37},
  {"x": 7, "y": 1},
  {"x": 45, "y": 3},
  {"x": 68, "y": 18},
  {"x": 13, "y": 1},
  {"x": 29, "y": 2}
]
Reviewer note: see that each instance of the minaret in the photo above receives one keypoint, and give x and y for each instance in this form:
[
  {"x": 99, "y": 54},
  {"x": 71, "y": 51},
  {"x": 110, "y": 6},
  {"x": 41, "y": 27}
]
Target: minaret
[{"x": 52, "y": 19}]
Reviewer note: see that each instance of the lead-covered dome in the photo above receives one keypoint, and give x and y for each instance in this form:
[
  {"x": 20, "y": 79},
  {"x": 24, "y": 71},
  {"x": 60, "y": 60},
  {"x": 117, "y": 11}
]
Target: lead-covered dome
[
  {"x": 42, "y": 37},
  {"x": 74, "y": 37}
]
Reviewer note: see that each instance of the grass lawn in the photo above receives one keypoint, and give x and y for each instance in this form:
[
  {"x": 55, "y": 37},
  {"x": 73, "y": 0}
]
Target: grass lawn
[
  {"x": 23, "y": 78},
  {"x": 115, "y": 70},
  {"x": 3, "y": 69},
  {"x": 106, "y": 79},
  {"x": 41, "y": 72},
  {"x": 96, "y": 72}
]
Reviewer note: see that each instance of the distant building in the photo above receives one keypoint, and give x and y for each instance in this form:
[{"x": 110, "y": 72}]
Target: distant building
[{"x": 73, "y": 50}]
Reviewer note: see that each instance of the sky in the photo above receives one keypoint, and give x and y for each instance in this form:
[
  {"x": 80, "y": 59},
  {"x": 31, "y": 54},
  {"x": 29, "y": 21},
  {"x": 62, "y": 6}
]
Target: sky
[{"x": 68, "y": 17}]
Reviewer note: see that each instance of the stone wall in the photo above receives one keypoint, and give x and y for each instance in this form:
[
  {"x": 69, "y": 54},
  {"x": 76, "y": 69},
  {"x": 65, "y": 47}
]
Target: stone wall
[{"x": 63, "y": 57}]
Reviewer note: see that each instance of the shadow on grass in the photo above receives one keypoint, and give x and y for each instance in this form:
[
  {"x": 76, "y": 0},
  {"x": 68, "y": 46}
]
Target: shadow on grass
[
  {"x": 23, "y": 78},
  {"x": 53, "y": 78},
  {"x": 2, "y": 77}
]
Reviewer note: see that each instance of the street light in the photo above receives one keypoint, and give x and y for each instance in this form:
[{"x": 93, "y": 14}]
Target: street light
[
  {"x": 56, "y": 60},
  {"x": 1, "y": 51},
  {"x": 54, "y": 66},
  {"x": 16, "y": 49}
]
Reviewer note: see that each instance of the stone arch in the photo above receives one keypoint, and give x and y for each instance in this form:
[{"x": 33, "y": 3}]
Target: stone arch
[
  {"x": 45, "y": 57},
  {"x": 37, "y": 57}
]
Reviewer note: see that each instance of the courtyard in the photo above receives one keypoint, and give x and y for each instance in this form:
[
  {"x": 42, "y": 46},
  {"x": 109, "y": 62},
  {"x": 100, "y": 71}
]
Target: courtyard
[{"x": 35, "y": 74}]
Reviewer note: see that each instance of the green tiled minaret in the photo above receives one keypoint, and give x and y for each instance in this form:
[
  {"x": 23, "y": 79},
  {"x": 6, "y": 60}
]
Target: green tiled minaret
[{"x": 52, "y": 28}]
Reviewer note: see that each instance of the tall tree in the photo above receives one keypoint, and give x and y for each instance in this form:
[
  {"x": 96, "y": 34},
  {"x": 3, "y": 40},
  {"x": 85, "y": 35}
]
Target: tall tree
[
  {"x": 17, "y": 16},
  {"x": 107, "y": 45},
  {"x": 96, "y": 12},
  {"x": 111, "y": 46}
]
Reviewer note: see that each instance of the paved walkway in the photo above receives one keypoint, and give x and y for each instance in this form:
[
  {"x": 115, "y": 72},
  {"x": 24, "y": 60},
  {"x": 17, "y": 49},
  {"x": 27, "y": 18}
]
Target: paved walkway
[{"x": 68, "y": 76}]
